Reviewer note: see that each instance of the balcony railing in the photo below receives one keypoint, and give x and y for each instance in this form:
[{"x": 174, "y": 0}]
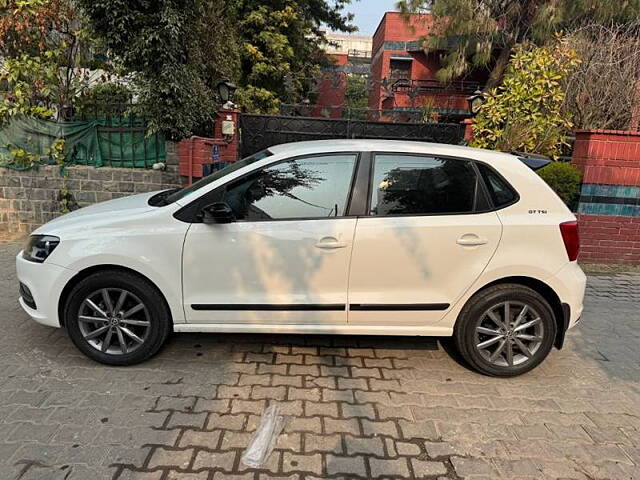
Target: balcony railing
[
  {"x": 421, "y": 87},
  {"x": 352, "y": 52}
]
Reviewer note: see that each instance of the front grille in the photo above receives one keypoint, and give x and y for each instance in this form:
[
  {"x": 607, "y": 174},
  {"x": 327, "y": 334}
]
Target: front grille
[{"x": 26, "y": 295}]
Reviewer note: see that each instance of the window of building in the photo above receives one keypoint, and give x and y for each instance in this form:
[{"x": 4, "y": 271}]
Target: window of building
[{"x": 399, "y": 69}]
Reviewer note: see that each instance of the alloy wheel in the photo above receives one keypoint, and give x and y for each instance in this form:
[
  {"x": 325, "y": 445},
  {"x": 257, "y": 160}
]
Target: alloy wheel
[
  {"x": 509, "y": 334},
  {"x": 114, "y": 321}
]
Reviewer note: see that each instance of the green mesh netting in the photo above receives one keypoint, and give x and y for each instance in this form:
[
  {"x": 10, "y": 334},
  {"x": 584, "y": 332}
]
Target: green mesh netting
[{"x": 117, "y": 142}]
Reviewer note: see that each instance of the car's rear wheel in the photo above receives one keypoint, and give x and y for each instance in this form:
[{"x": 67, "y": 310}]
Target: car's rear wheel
[
  {"x": 117, "y": 318},
  {"x": 505, "y": 330}
]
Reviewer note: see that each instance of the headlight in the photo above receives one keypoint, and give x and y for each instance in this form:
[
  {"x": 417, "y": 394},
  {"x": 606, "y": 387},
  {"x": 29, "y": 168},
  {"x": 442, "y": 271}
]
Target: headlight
[{"x": 39, "y": 247}]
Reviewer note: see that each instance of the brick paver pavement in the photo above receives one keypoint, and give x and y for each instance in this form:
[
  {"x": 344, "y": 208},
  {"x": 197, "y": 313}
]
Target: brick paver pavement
[{"x": 367, "y": 407}]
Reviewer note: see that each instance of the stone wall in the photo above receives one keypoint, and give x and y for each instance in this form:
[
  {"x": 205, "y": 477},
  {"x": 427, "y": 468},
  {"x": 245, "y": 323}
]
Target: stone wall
[{"x": 32, "y": 197}]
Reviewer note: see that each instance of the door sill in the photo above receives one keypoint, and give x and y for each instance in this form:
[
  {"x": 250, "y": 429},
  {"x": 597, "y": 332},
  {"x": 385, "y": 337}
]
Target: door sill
[{"x": 427, "y": 331}]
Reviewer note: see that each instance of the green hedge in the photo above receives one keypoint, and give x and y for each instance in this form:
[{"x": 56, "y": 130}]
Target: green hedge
[{"x": 565, "y": 180}]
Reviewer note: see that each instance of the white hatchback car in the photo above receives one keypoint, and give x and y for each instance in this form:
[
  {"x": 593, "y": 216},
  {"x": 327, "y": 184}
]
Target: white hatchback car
[{"x": 327, "y": 237}]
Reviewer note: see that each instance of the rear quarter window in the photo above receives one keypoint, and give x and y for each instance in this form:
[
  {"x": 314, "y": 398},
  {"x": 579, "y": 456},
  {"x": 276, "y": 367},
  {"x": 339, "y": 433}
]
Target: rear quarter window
[{"x": 501, "y": 193}]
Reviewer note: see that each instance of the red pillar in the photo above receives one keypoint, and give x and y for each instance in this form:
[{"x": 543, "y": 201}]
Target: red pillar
[
  {"x": 468, "y": 128},
  {"x": 195, "y": 152}
]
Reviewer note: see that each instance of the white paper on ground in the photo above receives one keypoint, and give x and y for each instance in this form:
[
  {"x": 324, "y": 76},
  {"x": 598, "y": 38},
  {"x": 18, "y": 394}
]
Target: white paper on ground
[{"x": 265, "y": 437}]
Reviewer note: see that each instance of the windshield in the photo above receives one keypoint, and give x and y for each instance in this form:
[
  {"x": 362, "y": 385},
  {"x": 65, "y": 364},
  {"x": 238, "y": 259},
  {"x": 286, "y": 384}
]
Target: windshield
[{"x": 203, "y": 182}]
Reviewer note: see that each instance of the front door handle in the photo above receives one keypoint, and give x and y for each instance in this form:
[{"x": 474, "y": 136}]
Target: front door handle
[
  {"x": 330, "y": 243},
  {"x": 471, "y": 240}
]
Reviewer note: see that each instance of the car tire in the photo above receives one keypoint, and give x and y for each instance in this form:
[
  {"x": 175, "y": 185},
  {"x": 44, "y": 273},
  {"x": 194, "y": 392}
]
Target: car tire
[
  {"x": 133, "y": 313},
  {"x": 496, "y": 348}
]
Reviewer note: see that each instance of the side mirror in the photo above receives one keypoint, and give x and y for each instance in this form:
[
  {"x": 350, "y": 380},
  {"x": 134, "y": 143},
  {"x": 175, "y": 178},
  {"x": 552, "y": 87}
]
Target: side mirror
[{"x": 218, "y": 212}]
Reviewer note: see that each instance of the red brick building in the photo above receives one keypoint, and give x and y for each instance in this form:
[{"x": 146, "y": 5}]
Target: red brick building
[
  {"x": 403, "y": 73},
  {"x": 332, "y": 87},
  {"x": 351, "y": 55}
]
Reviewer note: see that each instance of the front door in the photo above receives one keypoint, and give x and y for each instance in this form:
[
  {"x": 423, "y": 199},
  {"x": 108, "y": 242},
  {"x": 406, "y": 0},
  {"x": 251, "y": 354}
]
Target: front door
[
  {"x": 423, "y": 243},
  {"x": 285, "y": 258}
]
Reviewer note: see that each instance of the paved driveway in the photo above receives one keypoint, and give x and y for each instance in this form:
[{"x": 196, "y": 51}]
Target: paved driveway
[{"x": 367, "y": 407}]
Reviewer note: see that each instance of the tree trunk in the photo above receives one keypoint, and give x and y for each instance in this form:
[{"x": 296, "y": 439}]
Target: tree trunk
[{"x": 495, "y": 77}]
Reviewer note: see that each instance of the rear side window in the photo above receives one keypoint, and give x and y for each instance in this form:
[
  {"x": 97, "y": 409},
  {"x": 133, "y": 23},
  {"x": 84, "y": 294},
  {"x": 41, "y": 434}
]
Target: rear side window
[
  {"x": 422, "y": 185},
  {"x": 500, "y": 191}
]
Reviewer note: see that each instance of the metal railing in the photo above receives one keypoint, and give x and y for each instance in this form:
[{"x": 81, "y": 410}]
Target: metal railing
[
  {"x": 420, "y": 86},
  {"x": 262, "y": 131},
  {"x": 396, "y": 115},
  {"x": 352, "y": 52}
]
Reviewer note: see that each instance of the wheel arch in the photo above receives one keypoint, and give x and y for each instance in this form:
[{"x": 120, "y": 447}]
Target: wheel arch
[
  {"x": 84, "y": 273},
  {"x": 560, "y": 310}
]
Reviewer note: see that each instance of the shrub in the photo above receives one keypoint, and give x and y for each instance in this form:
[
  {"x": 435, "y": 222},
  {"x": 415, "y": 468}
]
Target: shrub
[
  {"x": 525, "y": 113},
  {"x": 564, "y": 179}
]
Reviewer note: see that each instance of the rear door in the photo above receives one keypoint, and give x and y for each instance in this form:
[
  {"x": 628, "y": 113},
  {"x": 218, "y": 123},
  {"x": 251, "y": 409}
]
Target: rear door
[{"x": 426, "y": 238}]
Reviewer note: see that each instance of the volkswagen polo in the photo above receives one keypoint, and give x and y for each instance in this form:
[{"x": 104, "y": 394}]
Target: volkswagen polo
[{"x": 354, "y": 237}]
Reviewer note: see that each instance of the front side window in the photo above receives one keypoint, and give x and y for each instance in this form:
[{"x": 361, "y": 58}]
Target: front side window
[
  {"x": 314, "y": 187},
  {"x": 183, "y": 193},
  {"x": 421, "y": 185}
]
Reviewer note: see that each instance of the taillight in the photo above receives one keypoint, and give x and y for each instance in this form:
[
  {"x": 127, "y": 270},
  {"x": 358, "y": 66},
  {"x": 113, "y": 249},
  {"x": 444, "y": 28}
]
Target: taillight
[{"x": 571, "y": 239}]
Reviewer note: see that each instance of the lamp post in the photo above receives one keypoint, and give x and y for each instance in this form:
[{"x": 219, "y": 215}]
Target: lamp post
[
  {"x": 475, "y": 101},
  {"x": 226, "y": 89}
]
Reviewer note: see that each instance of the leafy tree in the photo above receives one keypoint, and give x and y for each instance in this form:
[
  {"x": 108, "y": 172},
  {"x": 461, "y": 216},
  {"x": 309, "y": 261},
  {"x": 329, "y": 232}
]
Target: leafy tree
[
  {"x": 357, "y": 94},
  {"x": 29, "y": 81},
  {"x": 26, "y": 25},
  {"x": 281, "y": 50},
  {"x": 43, "y": 50},
  {"x": 105, "y": 99},
  {"x": 175, "y": 50},
  {"x": 485, "y": 32},
  {"x": 525, "y": 112},
  {"x": 268, "y": 57}
]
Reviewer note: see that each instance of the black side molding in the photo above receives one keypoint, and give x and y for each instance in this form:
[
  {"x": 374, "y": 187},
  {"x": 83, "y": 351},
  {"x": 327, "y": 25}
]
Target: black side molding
[
  {"x": 326, "y": 307},
  {"x": 269, "y": 306},
  {"x": 397, "y": 307}
]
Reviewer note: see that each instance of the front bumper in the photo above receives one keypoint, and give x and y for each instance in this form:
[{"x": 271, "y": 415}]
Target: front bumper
[{"x": 45, "y": 281}]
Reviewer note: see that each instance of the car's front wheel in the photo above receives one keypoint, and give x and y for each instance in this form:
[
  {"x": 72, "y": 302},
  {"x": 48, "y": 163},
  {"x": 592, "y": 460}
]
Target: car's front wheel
[
  {"x": 116, "y": 318},
  {"x": 505, "y": 330}
]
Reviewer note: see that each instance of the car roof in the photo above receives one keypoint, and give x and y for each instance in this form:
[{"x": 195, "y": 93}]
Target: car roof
[{"x": 404, "y": 146}]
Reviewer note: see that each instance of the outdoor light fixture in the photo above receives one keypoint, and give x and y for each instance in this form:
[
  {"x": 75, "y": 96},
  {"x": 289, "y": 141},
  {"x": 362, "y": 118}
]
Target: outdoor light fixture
[
  {"x": 475, "y": 101},
  {"x": 226, "y": 90}
]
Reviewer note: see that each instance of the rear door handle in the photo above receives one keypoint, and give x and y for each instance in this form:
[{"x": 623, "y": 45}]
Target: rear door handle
[
  {"x": 471, "y": 240},
  {"x": 329, "y": 243}
]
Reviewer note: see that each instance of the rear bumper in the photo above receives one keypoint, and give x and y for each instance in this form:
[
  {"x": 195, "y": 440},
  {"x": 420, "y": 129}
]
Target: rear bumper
[
  {"x": 45, "y": 282},
  {"x": 569, "y": 284}
]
